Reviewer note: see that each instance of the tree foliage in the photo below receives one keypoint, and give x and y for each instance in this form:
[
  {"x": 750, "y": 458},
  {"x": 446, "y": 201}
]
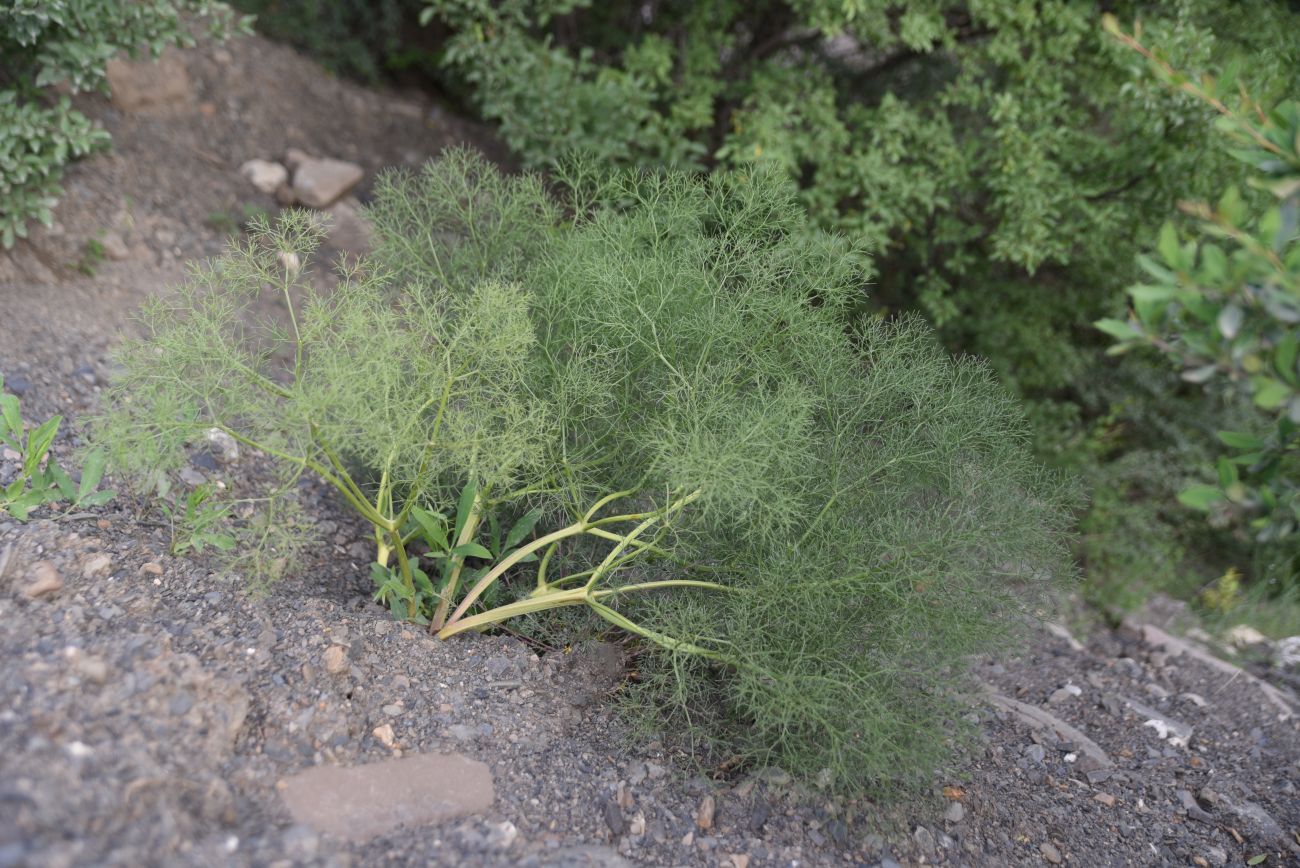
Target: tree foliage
[
  {"x": 1223, "y": 301},
  {"x": 1003, "y": 157},
  {"x": 656, "y": 384}
]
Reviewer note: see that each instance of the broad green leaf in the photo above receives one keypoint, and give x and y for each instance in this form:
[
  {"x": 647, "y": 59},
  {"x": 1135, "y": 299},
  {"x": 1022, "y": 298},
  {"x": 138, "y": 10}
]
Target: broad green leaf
[
  {"x": 433, "y": 528},
  {"x": 471, "y": 550},
  {"x": 38, "y": 443},
  {"x": 1270, "y": 229},
  {"x": 92, "y": 471},
  {"x": 97, "y": 498},
  {"x": 1118, "y": 328},
  {"x": 1156, "y": 270},
  {"x": 421, "y": 579},
  {"x": 67, "y": 488},
  {"x": 1270, "y": 393},
  {"x": 1168, "y": 247},
  {"x": 1214, "y": 263},
  {"x": 1227, "y": 473},
  {"x": 1151, "y": 293},
  {"x": 1200, "y": 497},
  {"x": 10, "y": 411},
  {"x": 1231, "y": 208},
  {"x": 1284, "y": 358},
  {"x": 222, "y": 541},
  {"x": 1238, "y": 440}
]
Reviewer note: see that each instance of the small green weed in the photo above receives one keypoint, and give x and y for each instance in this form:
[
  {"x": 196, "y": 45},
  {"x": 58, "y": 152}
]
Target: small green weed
[
  {"x": 197, "y": 525},
  {"x": 93, "y": 255},
  {"x": 40, "y": 479},
  {"x": 237, "y": 219}
]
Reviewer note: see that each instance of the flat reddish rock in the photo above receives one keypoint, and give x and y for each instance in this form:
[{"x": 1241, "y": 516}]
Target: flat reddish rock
[
  {"x": 366, "y": 801},
  {"x": 143, "y": 85}
]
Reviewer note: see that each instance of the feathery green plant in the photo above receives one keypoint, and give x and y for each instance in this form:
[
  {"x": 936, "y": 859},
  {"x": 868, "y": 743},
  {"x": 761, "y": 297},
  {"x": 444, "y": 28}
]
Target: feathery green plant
[
  {"x": 391, "y": 395},
  {"x": 652, "y": 378},
  {"x": 842, "y": 514}
]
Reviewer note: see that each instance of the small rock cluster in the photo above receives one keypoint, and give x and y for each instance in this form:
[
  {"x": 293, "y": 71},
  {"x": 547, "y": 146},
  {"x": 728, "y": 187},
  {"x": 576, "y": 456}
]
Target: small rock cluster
[{"x": 322, "y": 183}]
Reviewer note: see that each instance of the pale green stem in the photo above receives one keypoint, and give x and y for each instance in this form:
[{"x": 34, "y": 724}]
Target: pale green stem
[
  {"x": 588, "y": 597},
  {"x": 361, "y": 506},
  {"x": 458, "y": 563},
  {"x": 542, "y": 587},
  {"x": 572, "y": 530}
]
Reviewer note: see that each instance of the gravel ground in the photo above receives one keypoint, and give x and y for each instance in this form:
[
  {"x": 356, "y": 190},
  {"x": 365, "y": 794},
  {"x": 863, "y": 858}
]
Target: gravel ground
[{"x": 154, "y": 712}]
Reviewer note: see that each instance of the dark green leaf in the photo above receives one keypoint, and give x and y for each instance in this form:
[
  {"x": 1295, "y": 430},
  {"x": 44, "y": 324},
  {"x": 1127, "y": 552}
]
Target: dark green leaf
[
  {"x": 465, "y": 506},
  {"x": 522, "y": 528}
]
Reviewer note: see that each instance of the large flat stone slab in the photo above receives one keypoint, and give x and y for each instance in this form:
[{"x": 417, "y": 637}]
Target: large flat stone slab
[{"x": 366, "y": 801}]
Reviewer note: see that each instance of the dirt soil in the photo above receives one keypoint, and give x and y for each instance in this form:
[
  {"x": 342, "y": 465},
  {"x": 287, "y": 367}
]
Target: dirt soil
[{"x": 152, "y": 709}]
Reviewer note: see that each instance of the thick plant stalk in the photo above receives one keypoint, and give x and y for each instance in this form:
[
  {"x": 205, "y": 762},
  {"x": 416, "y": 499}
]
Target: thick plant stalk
[{"x": 453, "y": 579}]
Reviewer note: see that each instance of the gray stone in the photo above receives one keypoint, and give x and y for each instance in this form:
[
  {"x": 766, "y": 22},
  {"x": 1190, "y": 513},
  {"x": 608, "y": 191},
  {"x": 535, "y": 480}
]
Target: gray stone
[
  {"x": 265, "y": 175},
  {"x": 97, "y": 565},
  {"x": 320, "y": 183},
  {"x": 226, "y": 447},
  {"x": 956, "y": 813},
  {"x": 462, "y": 732},
  {"x": 366, "y": 801},
  {"x": 613, "y": 817}
]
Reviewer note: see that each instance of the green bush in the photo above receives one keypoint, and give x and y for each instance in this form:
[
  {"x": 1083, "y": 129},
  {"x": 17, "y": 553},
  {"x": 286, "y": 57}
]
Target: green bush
[
  {"x": 1004, "y": 158},
  {"x": 359, "y": 38},
  {"x": 641, "y": 399},
  {"x": 1224, "y": 304},
  {"x": 67, "y": 43}
]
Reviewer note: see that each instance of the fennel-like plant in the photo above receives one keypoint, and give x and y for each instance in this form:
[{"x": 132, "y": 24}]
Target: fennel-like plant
[
  {"x": 650, "y": 400},
  {"x": 395, "y": 394}
]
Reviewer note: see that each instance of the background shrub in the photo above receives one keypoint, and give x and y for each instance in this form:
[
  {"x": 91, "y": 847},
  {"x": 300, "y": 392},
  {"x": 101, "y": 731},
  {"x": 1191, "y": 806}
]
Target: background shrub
[
  {"x": 358, "y": 38},
  {"x": 67, "y": 44},
  {"x": 1221, "y": 301}
]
